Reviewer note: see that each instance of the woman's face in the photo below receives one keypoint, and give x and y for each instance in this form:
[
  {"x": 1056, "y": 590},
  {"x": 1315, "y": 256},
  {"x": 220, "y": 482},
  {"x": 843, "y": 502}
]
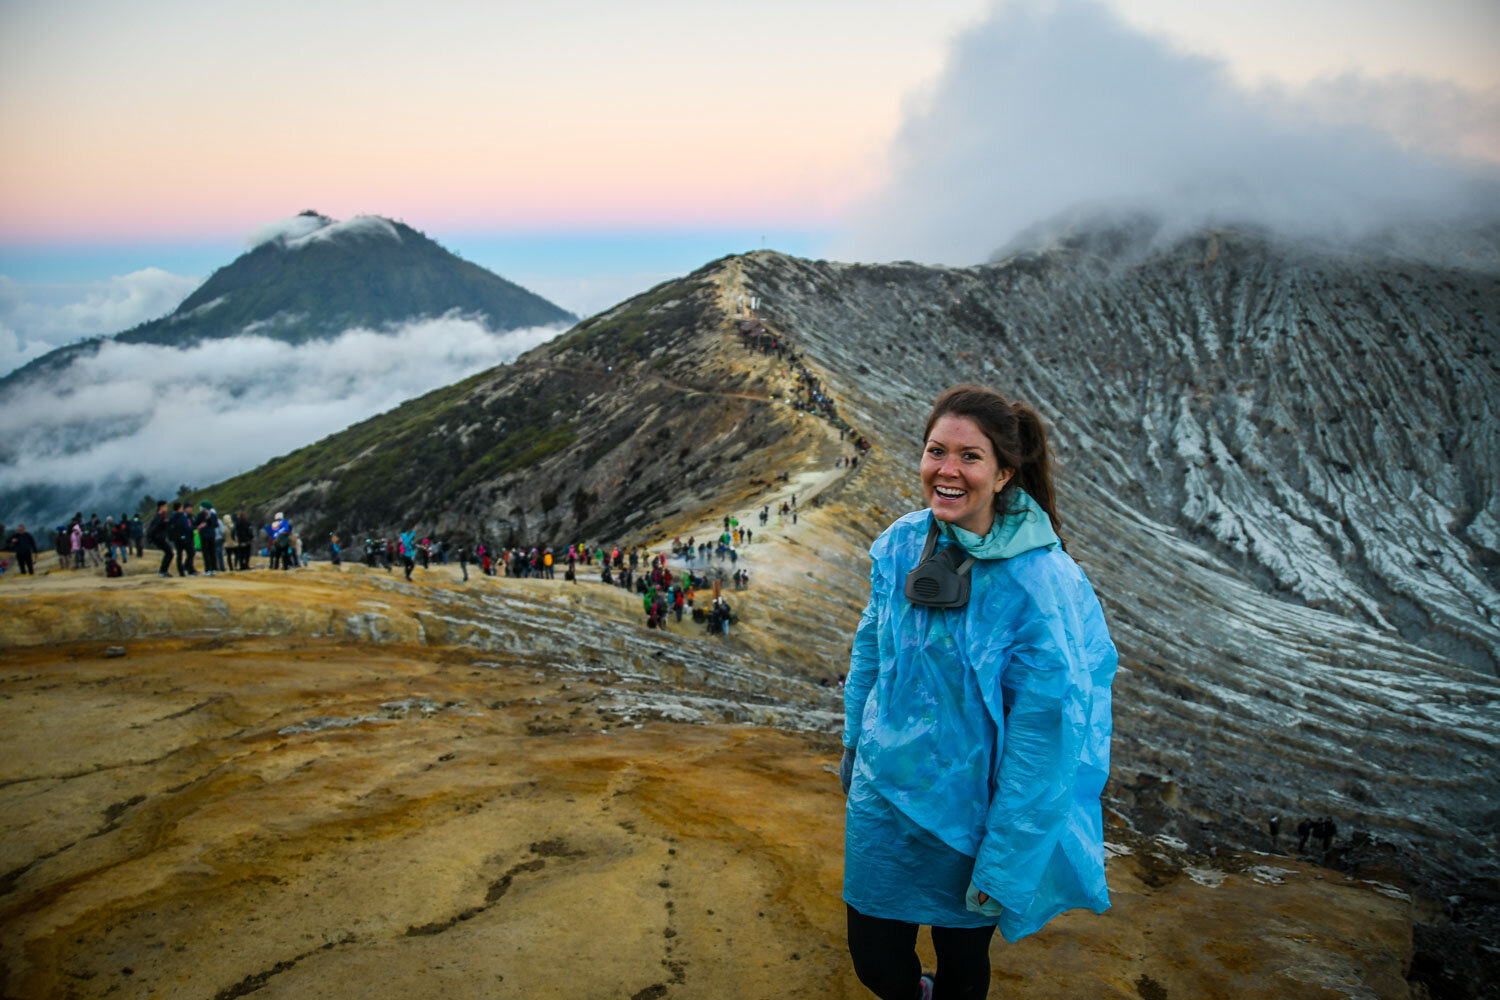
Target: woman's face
[{"x": 961, "y": 474}]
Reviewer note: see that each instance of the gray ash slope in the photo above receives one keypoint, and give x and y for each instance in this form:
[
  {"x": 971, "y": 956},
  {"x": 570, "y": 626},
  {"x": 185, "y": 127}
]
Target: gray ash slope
[{"x": 1278, "y": 467}]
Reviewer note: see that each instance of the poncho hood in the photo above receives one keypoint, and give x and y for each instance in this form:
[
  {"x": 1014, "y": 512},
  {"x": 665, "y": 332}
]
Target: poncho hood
[{"x": 1023, "y": 527}]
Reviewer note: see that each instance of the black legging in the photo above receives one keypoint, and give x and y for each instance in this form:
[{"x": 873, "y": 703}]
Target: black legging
[
  {"x": 885, "y": 958},
  {"x": 166, "y": 555}
]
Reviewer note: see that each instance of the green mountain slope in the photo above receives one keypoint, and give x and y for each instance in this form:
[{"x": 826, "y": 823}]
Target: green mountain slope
[{"x": 636, "y": 416}]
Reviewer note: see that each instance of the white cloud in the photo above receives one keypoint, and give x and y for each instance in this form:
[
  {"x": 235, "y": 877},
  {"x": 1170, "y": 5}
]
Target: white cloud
[
  {"x": 39, "y": 317},
  {"x": 16, "y": 350},
  {"x": 204, "y": 413},
  {"x": 301, "y": 230},
  {"x": 361, "y": 226},
  {"x": 284, "y": 230},
  {"x": 1435, "y": 116},
  {"x": 1043, "y": 109}
]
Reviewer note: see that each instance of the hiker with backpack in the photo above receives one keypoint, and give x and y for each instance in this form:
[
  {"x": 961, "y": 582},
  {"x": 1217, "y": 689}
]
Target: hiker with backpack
[{"x": 207, "y": 526}]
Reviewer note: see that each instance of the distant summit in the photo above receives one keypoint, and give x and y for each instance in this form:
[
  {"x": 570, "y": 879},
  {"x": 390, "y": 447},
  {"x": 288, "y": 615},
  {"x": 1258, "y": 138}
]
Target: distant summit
[
  {"x": 95, "y": 424},
  {"x": 311, "y": 276}
]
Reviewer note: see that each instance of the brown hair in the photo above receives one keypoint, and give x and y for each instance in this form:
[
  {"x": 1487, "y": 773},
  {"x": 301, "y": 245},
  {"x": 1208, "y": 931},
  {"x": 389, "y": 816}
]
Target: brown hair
[{"x": 1018, "y": 436}]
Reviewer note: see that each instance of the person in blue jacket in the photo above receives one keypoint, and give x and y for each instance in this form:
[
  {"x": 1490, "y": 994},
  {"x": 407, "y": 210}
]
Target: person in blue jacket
[{"x": 977, "y": 713}]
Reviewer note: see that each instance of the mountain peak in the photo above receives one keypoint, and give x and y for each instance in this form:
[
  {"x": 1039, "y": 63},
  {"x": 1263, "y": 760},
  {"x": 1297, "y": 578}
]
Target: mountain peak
[
  {"x": 310, "y": 227},
  {"x": 312, "y": 276}
]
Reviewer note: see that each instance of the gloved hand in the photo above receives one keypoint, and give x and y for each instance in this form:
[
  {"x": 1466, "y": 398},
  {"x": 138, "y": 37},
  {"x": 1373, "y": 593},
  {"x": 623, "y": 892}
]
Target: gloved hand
[{"x": 846, "y": 769}]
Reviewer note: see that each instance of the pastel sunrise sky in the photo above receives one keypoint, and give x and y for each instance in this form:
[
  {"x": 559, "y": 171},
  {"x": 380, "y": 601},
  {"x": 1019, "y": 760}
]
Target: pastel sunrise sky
[{"x": 589, "y": 149}]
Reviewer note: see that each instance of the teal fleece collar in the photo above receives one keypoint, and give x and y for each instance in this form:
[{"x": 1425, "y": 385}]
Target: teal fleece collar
[{"x": 1025, "y": 527}]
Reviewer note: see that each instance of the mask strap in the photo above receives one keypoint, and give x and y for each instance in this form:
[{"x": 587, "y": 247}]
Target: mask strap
[{"x": 932, "y": 538}]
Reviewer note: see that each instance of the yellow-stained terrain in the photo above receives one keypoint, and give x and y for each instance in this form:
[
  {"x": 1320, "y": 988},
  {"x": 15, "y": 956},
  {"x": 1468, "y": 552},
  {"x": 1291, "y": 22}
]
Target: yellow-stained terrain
[{"x": 337, "y": 784}]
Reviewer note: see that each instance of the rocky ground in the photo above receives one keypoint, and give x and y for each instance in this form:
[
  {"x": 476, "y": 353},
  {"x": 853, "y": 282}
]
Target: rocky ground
[{"x": 333, "y": 784}]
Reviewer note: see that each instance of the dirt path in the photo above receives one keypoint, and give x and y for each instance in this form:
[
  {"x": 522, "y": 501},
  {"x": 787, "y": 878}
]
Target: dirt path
[{"x": 802, "y": 487}]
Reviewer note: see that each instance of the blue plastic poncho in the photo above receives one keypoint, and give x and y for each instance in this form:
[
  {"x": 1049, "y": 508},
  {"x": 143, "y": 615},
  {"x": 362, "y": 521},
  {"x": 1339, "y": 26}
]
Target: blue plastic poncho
[{"x": 982, "y": 735}]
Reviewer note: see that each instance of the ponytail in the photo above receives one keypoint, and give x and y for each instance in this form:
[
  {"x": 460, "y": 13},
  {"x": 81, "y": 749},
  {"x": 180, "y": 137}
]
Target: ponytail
[{"x": 1035, "y": 469}]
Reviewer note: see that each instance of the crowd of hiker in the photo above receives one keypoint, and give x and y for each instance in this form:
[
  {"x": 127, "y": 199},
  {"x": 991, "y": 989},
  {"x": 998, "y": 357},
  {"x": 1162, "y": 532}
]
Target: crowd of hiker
[
  {"x": 1322, "y": 829},
  {"x": 810, "y": 396},
  {"x": 184, "y": 535},
  {"x": 193, "y": 540}
]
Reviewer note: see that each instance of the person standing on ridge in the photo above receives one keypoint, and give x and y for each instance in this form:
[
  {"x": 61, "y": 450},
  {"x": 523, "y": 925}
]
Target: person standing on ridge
[
  {"x": 75, "y": 541},
  {"x": 408, "y": 556},
  {"x": 221, "y": 532},
  {"x": 24, "y": 546},
  {"x": 207, "y": 524},
  {"x": 182, "y": 539},
  {"x": 88, "y": 538},
  {"x": 977, "y": 713},
  {"x": 244, "y": 534},
  {"x": 279, "y": 532},
  {"x": 159, "y": 534}
]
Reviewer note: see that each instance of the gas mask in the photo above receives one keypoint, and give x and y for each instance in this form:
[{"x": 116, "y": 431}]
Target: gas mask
[{"x": 940, "y": 580}]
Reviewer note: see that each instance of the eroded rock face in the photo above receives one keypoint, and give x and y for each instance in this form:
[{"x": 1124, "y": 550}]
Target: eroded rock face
[
  {"x": 1325, "y": 424},
  {"x": 1278, "y": 467},
  {"x": 1250, "y": 477},
  {"x": 280, "y": 808}
]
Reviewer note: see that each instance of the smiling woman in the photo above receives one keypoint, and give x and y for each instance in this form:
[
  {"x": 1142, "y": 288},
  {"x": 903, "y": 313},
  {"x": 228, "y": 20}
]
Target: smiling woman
[
  {"x": 977, "y": 716},
  {"x": 961, "y": 475},
  {"x": 976, "y": 443}
]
